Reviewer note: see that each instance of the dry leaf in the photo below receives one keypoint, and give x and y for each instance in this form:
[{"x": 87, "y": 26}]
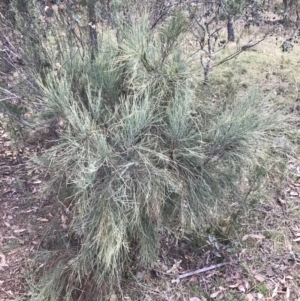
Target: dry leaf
[
  {"x": 296, "y": 239},
  {"x": 177, "y": 280},
  {"x": 195, "y": 299},
  {"x": 289, "y": 277},
  {"x": 64, "y": 226},
  {"x": 235, "y": 285},
  {"x": 255, "y": 236},
  {"x": 10, "y": 293},
  {"x": 245, "y": 237},
  {"x": 287, "y": 295},
  {"x": 216, "y": 294},
  {"x": 247, "y": 285},
  {"x": 242, "y": 253},
  {"x": 270, "y": 273},
  {"x": 19, "y": 230},
  {"x": 64, "y": 218},
  {"x": 241, "y": 288},
  {"x": 175, "y": 266},
  {"x": 249, "y": 297},
  {"x": 294, "y": 193},
  {"x": 193, "y": 279},
  {"x": 113, "y": 297},
  {"x": 274, "y": 294},
  {"x": 42, "y": 219},
  {"x": 259, "y": 278},
  {"x": 297, "y": 234},
  {"x": 259, "y": 296},
  {"x": 3, "y": 260}
]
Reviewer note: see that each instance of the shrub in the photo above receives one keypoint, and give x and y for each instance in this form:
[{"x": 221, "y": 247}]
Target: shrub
[{"x": 137, "y": 151}]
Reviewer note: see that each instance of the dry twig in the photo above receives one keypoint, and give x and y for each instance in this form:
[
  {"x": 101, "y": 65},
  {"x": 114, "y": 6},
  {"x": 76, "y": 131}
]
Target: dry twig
[{"x": 212, "y": 267}]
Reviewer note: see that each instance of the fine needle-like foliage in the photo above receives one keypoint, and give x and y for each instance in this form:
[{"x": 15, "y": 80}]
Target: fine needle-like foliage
[{"x": 137, "y": 151}]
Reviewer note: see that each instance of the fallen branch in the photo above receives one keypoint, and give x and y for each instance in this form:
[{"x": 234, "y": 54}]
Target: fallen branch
[{"x": 212, "y": 267}]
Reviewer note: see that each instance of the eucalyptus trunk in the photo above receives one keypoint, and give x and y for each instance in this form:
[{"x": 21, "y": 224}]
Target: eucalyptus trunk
[
  {"x": 93, "y": 30},
  {"x": 230, "y": 29}
]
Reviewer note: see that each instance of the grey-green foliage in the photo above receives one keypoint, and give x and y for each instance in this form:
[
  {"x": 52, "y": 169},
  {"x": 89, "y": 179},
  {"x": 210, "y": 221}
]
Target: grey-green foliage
[
  {"x": 235, "y": 7},
  {"x": 139, "y": 151}
]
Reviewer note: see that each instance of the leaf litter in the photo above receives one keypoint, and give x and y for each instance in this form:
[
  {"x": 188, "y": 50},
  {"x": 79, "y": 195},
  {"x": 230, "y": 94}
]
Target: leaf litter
[{"x": 22, "y": 224}]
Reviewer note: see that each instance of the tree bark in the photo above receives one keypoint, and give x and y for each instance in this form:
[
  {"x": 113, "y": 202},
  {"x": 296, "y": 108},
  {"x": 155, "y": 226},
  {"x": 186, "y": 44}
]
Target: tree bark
[
  {"x": 285, "y": 4},
  {"x": 230, "y": 29},
  {"x": 93, "y": 30}
]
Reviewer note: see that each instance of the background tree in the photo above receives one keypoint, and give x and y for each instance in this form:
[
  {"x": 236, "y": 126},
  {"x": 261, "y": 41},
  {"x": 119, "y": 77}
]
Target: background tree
[
  {"x": 208, "y": 20},
  {"x": 233, "y": 9}
]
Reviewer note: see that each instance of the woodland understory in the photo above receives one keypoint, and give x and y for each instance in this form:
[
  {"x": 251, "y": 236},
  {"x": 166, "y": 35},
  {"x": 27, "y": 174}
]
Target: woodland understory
[{"x": 149, "y": 150}]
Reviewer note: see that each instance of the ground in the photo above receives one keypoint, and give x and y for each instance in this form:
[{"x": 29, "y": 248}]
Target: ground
[
  {"x": 265, "y": 261},
  {"x": 23, "y": 215}
]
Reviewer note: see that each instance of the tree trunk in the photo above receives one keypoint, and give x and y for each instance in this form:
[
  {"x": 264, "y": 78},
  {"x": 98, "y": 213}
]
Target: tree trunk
[
  {"x": 230, "y": 29},
  {"x": 285, "y": 4},
  {"x": 93, "y": 30}
]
